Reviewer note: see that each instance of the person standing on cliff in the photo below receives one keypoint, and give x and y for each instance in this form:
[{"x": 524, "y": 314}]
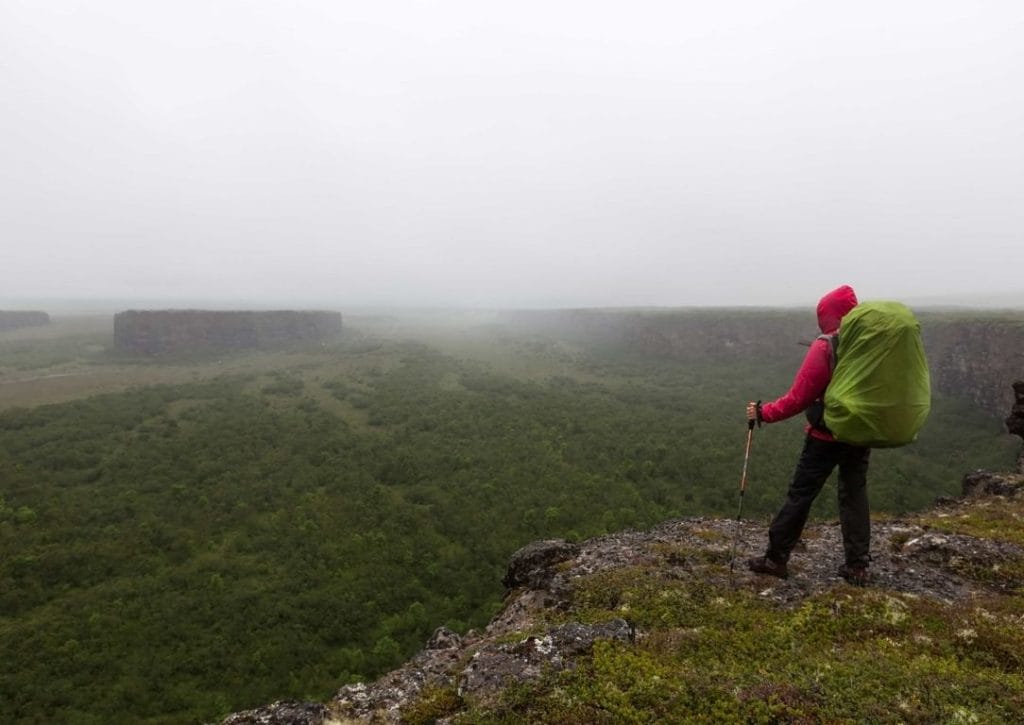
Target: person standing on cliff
[{"x": 820, "y": 456}]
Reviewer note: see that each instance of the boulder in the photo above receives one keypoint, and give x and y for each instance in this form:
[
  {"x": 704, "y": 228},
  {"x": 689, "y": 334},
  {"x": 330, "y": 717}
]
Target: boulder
[
  {"x": 987, "y": 483},
  {"x": 533, "y": 565}
]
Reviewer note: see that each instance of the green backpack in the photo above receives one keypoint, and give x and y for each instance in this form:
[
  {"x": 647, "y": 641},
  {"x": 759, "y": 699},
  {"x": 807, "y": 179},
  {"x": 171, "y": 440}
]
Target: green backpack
[{"x": 880, "y": 392}]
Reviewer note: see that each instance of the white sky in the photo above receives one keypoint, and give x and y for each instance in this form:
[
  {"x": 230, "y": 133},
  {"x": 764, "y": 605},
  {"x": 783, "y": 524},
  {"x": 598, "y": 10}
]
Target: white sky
[{"x": 511, "y": 154}]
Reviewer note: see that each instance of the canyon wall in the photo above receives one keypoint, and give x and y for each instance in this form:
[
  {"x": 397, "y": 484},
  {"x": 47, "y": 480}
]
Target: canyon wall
[
  {"x": 12, "y": 320},
  {"x": 976, "y": 356},
  {"x": 978, "y": 359},
  {"x": 161, "y": 332}
]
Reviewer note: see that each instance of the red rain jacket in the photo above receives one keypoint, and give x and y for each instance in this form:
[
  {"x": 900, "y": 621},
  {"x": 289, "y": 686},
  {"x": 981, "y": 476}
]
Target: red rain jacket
[{"x": 815, "y": 373}]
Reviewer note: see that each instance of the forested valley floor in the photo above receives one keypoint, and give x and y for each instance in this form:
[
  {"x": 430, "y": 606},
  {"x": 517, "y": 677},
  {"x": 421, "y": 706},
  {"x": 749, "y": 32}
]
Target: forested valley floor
[{"x": 184, "y": 538}]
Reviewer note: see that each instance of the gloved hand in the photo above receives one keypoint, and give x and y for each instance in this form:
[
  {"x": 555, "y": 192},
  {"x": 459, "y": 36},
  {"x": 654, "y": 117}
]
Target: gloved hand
[{"x": 754, "y": 413}]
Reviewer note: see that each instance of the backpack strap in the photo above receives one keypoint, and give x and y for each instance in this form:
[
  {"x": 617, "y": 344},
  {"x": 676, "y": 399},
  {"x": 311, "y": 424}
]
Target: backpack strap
[
  {"x": 816, "y": 411},
  {"x": 833, "y": 346}
]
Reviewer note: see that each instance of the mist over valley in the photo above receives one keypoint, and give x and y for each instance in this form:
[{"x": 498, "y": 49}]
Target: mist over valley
[{"x": 315, "y": 315}]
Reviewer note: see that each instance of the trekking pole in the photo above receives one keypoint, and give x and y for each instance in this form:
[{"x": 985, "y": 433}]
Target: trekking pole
[{"x": 743, "y": 489}]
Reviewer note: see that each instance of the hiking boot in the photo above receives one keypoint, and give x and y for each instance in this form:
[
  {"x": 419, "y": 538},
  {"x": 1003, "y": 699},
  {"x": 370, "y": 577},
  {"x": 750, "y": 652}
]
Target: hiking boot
[
  {"x": 764, "y": 565},
  {"x": 855, "y": 575}
]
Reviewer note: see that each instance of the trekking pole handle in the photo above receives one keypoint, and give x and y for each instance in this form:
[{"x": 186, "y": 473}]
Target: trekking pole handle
[{"x": 754, "y": 413}]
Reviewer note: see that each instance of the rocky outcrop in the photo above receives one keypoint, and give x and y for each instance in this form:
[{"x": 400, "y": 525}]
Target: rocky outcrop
[
  {"x": 532, "y": 565},
  {"x": 279, "y": 713},
  {"x": 12, "y": 320},
  {"x": 987, "y": 483},
  {"x": 495, "y": 666},
  {"x": 477, "y": 667},
  {"x": 161, "y": 332}
]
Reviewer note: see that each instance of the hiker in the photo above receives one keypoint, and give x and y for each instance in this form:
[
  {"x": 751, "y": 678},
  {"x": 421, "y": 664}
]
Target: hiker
[{"x": 821, "y": 454}]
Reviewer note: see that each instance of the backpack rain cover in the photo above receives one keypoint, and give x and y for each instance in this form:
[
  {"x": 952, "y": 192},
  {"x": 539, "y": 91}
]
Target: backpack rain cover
[{"x": 880, "y": 392}]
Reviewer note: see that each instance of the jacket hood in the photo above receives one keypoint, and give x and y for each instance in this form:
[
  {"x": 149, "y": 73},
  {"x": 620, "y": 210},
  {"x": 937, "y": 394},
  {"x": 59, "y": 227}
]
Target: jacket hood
[{"x": 833, "y": 306}]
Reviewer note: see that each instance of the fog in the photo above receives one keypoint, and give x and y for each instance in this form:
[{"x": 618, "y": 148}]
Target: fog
[{"x": 527, "y": 154}]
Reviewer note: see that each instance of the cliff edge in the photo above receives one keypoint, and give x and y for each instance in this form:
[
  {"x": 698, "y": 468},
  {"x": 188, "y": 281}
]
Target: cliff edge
[{"x": 658, "y": 625}]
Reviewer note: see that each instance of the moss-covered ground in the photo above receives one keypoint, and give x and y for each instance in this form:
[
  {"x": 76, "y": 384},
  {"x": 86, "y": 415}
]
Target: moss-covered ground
[{"x": 706, "y": 651}]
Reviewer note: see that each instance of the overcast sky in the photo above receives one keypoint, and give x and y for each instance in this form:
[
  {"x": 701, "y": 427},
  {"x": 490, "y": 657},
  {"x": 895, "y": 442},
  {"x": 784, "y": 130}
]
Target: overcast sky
[{"x": 511, "y": 154}]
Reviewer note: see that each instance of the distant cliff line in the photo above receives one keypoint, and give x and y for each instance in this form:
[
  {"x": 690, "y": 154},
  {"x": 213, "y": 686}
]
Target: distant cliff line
[
  {"x": 160, "y": 332},
  {"x": 976, "y": 356},
  {"x": 14, "y": 319}
]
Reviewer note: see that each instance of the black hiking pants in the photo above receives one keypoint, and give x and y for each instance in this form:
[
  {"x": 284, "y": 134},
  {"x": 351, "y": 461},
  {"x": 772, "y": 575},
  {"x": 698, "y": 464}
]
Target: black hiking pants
[{"x": 817, "y": 461}]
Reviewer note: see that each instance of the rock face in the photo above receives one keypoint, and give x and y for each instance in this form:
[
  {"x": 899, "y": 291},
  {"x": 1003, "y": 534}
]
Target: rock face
[
  {"x": 976, "y": 359},
  {"x": 160, "y": 332},
  {"x": 532, "y": 565},
  {"x": 682, "y": 334},
  {"x": 27, "y": 318}
]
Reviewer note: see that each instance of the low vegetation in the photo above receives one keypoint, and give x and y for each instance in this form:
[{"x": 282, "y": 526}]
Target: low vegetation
[
  {"x": 713, "y": 654},
  {"x": 709, "y": 646}
]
